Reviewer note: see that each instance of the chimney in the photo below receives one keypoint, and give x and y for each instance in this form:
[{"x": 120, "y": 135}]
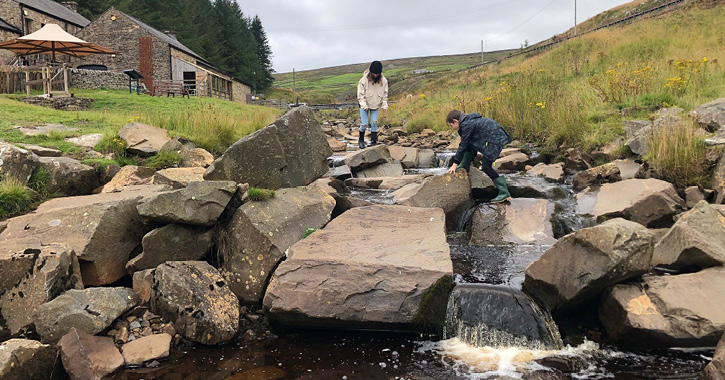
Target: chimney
[
  {"x": 171, "y": 34},
  {"x": 72, "y": 5}
]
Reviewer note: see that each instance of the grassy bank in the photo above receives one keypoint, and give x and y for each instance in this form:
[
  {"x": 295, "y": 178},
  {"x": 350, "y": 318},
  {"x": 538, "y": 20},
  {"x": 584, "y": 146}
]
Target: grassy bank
[{"x": 210, "y": 123}]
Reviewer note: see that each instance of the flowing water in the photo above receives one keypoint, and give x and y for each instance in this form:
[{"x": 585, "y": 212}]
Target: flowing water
[{"x": 470, "y": 351}]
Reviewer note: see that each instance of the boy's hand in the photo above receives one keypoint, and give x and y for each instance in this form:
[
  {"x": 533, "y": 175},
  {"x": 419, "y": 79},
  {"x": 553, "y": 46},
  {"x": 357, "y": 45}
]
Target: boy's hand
[{"x": 452, "y": 169}]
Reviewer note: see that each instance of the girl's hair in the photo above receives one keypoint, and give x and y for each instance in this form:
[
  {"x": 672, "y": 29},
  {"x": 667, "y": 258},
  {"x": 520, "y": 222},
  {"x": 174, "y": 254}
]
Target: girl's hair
[
  {"x": 453, "y": 115},
  {"x": 373, "y": 79}
]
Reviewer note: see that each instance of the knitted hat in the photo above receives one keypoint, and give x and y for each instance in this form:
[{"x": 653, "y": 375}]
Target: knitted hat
[{"x": 376, "y": 67}]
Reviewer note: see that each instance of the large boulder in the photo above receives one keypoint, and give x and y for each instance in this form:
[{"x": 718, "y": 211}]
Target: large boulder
[
  {"x": 42, "y": 273},
  {"x": 524, "y": 221},
  {"x": 179, "y": 178},
  {"x": 101, "y": 229},
  {"x": 173, "y": 242},
  {"x": 638, "y": 138},
  {"x": 129, "y": 175},
  {"x": 17, "y": 163},
  {"x": 667, "y": 311},
  {"x": 582, "y": 264},
  {"x": 553, "y": 172},
  {"x": 371, "y": 267},
  {"x": 451, "y": 192},
  {"x": 482, "y": 186},
  {"x": 23, "y": 359},
  {"x": 69, "y": 177},
  {"x": 390, "y": 169},
  {"x": 197, "y": 300},
  {"x": 142, "y": 139},
  {"x": 597, "y": 175},
  {"x": 88, "y": 357},
  {"x": 259, "y": 233},
  {"x": 716, "y": 369},
  {"x": 650, "y": 202},
  {"x": 513, "y": 162},
  {"x": 696, "y": 239},
  {"x": 90, "y": 310},
  {"x": 368, "y": 158},
  {"x": 408, "y": 156},
  {"x": 637, "y": 132},
  {"x": 712, "y": 115},
  {"x": 523, "y": 186},
  {"x": 290, "y": 152},
  {"x": 384, "y": 183},
  {"x": 199, "y": 203}
]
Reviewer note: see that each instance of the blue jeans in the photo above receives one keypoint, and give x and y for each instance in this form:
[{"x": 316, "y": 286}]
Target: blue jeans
[{"x": 371, "y": 117}]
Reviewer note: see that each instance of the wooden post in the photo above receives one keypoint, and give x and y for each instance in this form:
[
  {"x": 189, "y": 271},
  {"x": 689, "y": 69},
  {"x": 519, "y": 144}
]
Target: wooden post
[
  {"x": 27, "y": 79},
  {"x": 65, "y": 79}
]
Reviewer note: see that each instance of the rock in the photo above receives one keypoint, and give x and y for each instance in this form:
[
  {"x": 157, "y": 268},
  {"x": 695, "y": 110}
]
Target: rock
[
  {"x": 146, "y": 349},
  {"x": 638, "y": 143},
  {"x": 143, "y": 139},
  {"x": 259, "y": 233},
  {"x": 712, "y": 115},
  {"x": 606, "y": 173},
  {"x": 451, "y": 192},
  {"x": 23, "y": 359},
  {"x": 524, "y": 221},
  {"x": 129, "y": 175},
  {"x": 668, "y": 311},
  {"x": 87, "y": 357},
  {"x": 368, "y": 158},
  {"x": 200, "y": 203},
  {"x": 553, "y": 173},
  {"x": 178, "y": 178},
  {"x": 628, "y": 168},
  {"x": 196, "y": 157},
  {"x": 482, "y": 186},
  {"x": 68, "y": 177},
  {"x": 41, "y": 151},
  {"x": 44, "y": 129},
  {"x": 514, "y": 162},
  {"x": 718, "y": 180},
  {"x": 46, "y": 272},
  {"x": 426, "y": 158},
  {"x": 669, "y": 111},
  {"x": 290, "y": 152},
  {"x": 575, "y": 160},
  {"x": 650, "y": 202},
  {"x": 143, "y": 282},
  {"x": 384, "y": 183},
  {"x": 91, "y": 310},
  {"x": 197, "y": 300},
  {"x": 407, "y": 156},
  {"x": 390, "y": 169},
  {"x": 101, "y": 229},
  {"x": 172, "y": 242},
  {"x": 86, "y": 141},
  {"x": 336, "y": 145},
  {"x": 696, "y": 239},
  {"x": 582, "y": 264},
  {"x": 693, "y": 195},
  {"x": 16, "y": 163},
  {"x": 340, "y": 172},
  {"x": 532, "y": 187},
  {"x": 717, "y": 139},
  {"x": 716, "y": 369},
  {"x": 371, "y": 267},
  {"x": 509, "y": 151}
]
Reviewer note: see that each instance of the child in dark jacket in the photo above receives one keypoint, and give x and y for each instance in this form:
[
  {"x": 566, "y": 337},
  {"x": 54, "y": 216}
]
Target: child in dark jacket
[{"x": 480, "y": 134}]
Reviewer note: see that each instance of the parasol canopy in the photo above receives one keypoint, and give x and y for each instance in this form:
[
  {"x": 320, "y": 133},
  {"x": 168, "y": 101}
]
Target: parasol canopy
[{"x": 52, "y": 39}]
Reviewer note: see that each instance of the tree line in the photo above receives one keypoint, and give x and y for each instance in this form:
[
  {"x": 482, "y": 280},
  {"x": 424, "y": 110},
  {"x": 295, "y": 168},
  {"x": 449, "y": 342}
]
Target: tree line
[{"x": 217, "y": 30}]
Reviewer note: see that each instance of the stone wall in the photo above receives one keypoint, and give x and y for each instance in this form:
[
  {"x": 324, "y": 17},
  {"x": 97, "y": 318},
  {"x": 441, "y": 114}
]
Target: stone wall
[
  {"x": 240, "y": 92},
  {"x": 94, "y": 79},
  {"x": 12, "y": 13},
  {"x": 6, "y": 55}
]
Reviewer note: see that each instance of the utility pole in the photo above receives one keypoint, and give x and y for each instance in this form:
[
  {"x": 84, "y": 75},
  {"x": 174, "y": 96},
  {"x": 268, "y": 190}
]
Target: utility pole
[
  {"x": 575, "y": 17},
  {"x": 294, "y": 85},
  {"x": 482, "y": 52}
]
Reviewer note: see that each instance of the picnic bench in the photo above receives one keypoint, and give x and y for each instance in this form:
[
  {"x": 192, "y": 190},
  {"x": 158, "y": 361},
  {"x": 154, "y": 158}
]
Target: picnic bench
[{"x": 170, "y": 87}]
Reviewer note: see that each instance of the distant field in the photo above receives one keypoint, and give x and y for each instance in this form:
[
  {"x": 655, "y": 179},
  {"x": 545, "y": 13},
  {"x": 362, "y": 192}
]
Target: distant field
[{"x": 338, "y": 83}]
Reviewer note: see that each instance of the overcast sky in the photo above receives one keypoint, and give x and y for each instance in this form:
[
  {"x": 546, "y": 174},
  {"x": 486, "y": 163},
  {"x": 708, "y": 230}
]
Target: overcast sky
[{"x": 311, "y": 34}]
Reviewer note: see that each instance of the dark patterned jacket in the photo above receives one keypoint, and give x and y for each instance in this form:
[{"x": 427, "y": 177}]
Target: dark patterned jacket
[{"x": 480, "y": 134}]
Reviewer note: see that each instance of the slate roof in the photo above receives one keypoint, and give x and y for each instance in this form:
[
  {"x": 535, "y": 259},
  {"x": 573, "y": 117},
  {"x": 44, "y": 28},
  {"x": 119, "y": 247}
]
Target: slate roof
[
  {"x": 164, "y": 37},
  {"x": 57, "y": 10},
  {"x": 6, "y": 26}
]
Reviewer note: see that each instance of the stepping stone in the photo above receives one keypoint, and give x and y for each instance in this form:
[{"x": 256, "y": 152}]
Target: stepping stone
[{"x": 87, "y": 141}]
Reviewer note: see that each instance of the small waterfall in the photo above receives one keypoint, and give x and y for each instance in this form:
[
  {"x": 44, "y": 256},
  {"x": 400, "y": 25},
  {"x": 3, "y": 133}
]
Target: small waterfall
[
  {"x": 498, "y": 316},
  {"x": 444, "y": 159}
]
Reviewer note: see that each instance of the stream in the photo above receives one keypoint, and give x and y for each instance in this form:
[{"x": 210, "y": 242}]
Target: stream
[{"x": 323, "y": 354}]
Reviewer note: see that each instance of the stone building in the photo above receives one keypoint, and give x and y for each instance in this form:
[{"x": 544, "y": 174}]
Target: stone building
[
  {"x": 21, "y": 17},
  {"x": 156, "y": 55}
]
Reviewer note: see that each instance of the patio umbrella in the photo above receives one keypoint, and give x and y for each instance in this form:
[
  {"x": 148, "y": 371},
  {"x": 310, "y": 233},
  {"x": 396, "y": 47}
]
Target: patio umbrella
[{"x": 52, "y": 39}]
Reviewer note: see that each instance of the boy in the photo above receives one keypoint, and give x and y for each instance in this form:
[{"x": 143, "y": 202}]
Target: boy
[{"x": 479, "y": 134}]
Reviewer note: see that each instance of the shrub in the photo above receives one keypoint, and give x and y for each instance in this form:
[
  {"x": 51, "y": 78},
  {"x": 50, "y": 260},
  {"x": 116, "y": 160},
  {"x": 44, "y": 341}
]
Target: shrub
[
  {"x": 14, "y": 198},
  {"x": 163, "y": 160},
  {"x": 258, "y": 195},
  {"x": 39, "y": 182},
  {"x": 677, "y": 154}
]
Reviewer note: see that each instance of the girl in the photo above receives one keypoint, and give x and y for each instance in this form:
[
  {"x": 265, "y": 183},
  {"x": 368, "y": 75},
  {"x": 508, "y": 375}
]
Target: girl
[{"x": 372, "y": 94}]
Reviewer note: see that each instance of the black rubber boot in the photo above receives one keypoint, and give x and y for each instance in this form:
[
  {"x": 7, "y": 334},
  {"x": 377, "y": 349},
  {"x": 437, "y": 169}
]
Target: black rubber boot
[
  {"x": 373, "y": 138},
  {"x": 361, "y": 140}
]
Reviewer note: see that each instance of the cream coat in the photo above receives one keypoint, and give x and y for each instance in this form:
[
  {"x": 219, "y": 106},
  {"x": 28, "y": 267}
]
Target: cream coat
[{"x": 372, "y": 96}]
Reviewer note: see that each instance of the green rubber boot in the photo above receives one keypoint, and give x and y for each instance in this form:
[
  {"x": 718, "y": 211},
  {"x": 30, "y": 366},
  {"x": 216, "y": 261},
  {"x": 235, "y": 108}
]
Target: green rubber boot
[
  {"x": 466, "y": 161},
  {"x": 361, "y": 140},
  {"x": 503, "y": 190}
]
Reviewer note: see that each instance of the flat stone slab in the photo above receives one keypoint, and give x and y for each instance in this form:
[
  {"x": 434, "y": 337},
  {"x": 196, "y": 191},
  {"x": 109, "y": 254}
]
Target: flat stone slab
[
  {"x": 44, "y": 129},
  {"x": 523, "y": 221},
  {"x": 41, "y": 151},
  {"x": 86, "y": 141},
  {"x": 371, "y": 267}
]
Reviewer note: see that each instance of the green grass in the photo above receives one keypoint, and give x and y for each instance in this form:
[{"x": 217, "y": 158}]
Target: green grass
[
  {"x": 15, "y": 198},
  {"x": 212, "y": 124},
  {"x": 164, "y": 160},
  {"x": 258, "y": 195}
]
